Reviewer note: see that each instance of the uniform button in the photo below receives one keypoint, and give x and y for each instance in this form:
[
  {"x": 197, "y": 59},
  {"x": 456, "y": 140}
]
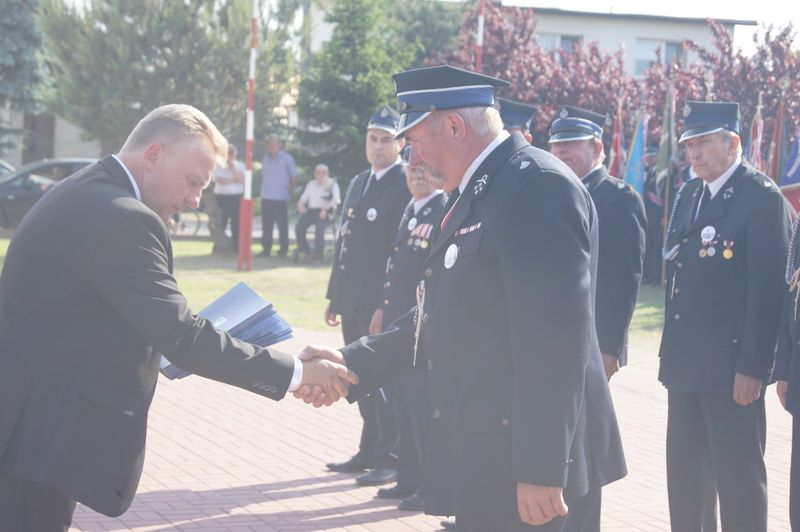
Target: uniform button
[
  {"x": 685, "y": 240},
  {"x": 505, "y": 422},
  {"x": 388, "y": 283},
  {"x": 385, "y": 301},
  {"x": 680, "y": 265},
  {"x": 735, "y": 340},
  {"x": 424, "y": 317},
  {"x": 436, "y": 414},
  {"x": 677, "y": 316},
  {"x": 430, "y": 365},
  {"x": 344, "y": 249},
  {"x": 397, "y": 248},
  {"x": 341, "y": 267},
  {"x": 677, "y": 290},
  {"x": 428, "y": 272}
]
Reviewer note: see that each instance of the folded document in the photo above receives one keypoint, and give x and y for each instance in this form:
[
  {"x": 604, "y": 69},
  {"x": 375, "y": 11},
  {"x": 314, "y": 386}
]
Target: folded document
[{"x": 244, "y": 315}]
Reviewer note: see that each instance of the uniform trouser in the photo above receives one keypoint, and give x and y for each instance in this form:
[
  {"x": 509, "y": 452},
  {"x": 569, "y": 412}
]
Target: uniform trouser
[
  {"x": 32, "y": 507},
  {"x": 794, "y": 486},
  {"x": 715, "y": 446},
  {"x": 272, "y": 212},
  {"x": 379, "y": 432},
  {"x": 307, "y": 219},
  {"x": 229, "y": 211},
  {"x": 583, "y": 516},
  {"x": 412, "y": 412}
]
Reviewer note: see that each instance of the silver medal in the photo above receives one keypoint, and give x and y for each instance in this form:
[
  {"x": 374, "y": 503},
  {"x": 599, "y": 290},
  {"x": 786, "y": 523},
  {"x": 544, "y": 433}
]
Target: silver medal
[
  {"x": 450, "y": 256},
  {"x": 708, "y": 233},
  {"x": 711, "y": 251},
  {"x": 412, "y": 223},
  {"x": 372, "y": 214}
]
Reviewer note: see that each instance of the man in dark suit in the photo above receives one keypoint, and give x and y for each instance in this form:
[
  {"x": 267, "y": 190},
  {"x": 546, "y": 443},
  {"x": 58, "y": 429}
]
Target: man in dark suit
[
  {"x": 517, "y": 117},
  {"x": 522, "y": 422},
  {"x": 576, "y": 138},
  {"x": 371, "y": 212},
  {"x": 726, "y": 246},
  {"x": 787, "y": 368},
  {"x": 88, "y": 304},
  {"x": 404, "y": 269}
]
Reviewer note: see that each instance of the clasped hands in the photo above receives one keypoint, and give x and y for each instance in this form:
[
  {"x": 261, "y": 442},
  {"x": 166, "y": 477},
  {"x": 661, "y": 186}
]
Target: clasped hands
[{"x": 326, "y": 379}]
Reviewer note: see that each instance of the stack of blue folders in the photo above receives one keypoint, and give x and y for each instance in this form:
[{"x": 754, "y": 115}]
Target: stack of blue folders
[{"x": 244, "y": 315}]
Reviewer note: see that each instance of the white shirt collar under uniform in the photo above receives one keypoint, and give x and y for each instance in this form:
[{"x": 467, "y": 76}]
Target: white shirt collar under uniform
[
  {"x": 128, "y": 172},
  {"x": 590, "y": 172},
  {"x": 480, "y": 158},
  {"x": 716, "y": 185},
  {"x": 380, "y": 173},
  {"x": 421, "y": 203}
]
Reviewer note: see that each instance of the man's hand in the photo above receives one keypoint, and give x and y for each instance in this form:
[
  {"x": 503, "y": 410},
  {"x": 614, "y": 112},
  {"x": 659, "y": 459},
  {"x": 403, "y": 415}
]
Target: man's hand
[
  {"x": 538, "y": 505},
  {"x": 323, "y": 214},
  {"x": 331, "y": 317},
  {"x": 611, "y": 365},
  {"x": 376, "y": 323},
  {"x": 781, "y": 388},
  {"x": 746, "y": 389},
  {"x": 314, "y": 393},
  {"x": 301, "y": 208},
  {"x": 327, "y": 377}
]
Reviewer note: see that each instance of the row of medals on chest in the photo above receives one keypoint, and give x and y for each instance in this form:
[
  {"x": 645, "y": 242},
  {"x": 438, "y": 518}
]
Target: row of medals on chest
[{"x": 709, "y": 241}]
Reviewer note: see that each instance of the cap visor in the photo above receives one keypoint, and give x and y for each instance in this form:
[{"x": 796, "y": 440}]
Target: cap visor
[
  {"x": 409, "y": 120},
  {"x": 699, "y": 132},
  {"x": 382, "y": 127},
  {"x": 568, "y": 136}
]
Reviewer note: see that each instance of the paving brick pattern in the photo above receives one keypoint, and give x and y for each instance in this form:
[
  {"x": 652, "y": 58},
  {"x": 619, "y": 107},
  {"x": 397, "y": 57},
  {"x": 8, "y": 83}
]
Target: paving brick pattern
[{"x": 223, "y": 459}]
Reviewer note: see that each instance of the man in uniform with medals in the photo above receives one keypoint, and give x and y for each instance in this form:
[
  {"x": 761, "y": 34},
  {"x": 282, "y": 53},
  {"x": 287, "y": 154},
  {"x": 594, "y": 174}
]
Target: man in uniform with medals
[
  {"x": 521, "y": 418},
  {"x": 404, "y": 269},
  {"x": 372, "y": 209},
  {"x": 726, "y": 247}
]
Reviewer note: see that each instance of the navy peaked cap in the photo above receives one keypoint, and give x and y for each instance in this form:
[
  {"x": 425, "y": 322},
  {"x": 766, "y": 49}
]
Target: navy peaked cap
[
  {"x": 704, "y": 118},
  {"x": 575, "y": 123},
  {"x": 424, "y": 90},
  {"x": 516, "y": 114},
  {"x": 384, "y": 118}
]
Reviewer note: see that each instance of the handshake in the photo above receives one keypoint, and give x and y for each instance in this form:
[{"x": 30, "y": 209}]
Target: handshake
[{"x": 326, "y": 379}]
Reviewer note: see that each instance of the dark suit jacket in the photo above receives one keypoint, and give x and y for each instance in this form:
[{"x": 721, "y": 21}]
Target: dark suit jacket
[
  {"x": 364, "y": 244},
  {"x": 87, "y": 304},
  {"x": 623, "y": 223},
  {"x": 517, "y": 387},
  {"x": 722, "y": 314},
  {"x": 787, "y": 359},
  {"x": 405, "y": 265}
]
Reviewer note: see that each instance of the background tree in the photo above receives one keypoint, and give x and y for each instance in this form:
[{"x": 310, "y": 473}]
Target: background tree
[
  {"x": 21, "y": 75},
  {"x": 425, "y": 28},
  {"x": 346, "y": 81}
]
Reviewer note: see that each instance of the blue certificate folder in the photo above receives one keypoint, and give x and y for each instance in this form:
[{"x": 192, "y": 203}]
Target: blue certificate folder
[{"x": 244, "y": 315}]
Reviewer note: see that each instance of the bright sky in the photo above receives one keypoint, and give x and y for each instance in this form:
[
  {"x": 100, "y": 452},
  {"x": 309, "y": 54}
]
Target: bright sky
[{"x": 777, "y": 12}]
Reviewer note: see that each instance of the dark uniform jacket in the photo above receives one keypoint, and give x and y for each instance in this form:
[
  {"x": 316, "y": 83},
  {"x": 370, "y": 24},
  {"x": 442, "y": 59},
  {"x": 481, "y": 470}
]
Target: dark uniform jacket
[
  {"x": 517, "y": 387},
  {"x": 409, "y": 251},
  {"x": 787, "y": 360},
  {"x": 369, "y": 224},
  {"x": 87, "y": 304},
  {"x": 623, "y": 223},
  {"x": 723, "y": 306}
]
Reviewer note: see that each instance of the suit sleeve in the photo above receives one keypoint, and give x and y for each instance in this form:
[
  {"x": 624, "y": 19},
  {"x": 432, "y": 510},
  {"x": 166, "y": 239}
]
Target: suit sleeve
[
  {"x": 330, "y": 293},
  {"x": 382, "y": 357},
  {"x": 622, "y": 233},
  {"x": 785, "y": 351},
  {"x": 131, "y": 272},
  {"x": 544, "y": 255},
  {"x": 768, "y": 233}
]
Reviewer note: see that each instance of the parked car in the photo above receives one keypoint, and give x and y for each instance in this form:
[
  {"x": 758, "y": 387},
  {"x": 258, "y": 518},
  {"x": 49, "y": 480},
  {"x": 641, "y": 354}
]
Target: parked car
[
  {"x": 5, "y": 168},
  {"x": 20, "y": 189}
]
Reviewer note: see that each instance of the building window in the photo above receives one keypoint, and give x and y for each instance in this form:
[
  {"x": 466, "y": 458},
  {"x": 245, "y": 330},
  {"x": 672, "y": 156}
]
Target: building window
[
  {"x": 555, "y": 41},
  {"x": 646, "y": 53}
]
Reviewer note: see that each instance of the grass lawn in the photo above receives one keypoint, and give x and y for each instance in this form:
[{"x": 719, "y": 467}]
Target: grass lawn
[{"x": 298, "y": 292}]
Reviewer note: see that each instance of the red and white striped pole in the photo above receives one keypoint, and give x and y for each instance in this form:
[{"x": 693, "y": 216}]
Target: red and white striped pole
[
  {"x": 479, "y": 38},
  {"x": 246, "y": 211}
]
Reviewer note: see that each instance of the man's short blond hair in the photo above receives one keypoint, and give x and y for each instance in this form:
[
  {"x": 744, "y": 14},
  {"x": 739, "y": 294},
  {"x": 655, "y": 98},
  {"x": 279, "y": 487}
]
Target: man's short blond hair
[{"x": 174, "y": 124}]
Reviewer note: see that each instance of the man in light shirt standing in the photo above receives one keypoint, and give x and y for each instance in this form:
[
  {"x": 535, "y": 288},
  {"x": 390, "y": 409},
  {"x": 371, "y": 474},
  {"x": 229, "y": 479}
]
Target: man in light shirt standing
[{"x": 278, "y": 180}]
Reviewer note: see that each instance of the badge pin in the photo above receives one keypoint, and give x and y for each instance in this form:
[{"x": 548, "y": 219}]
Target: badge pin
[
  {"x": 372, "y": 214},
  {"x": 711, "y": 251},
  {"x": 708, "y": 233},
  {"x": 480, "y": 184},
  {"x": 728, "y": 253},
  {"x": 350, "y": 212},
  {"x": 703, "y": 253},
  {"x": 524, "y": 164},
  {"x": 424, "y": 244},
  {"x": 417, "y": 242},
  {"x": 412, "y": 223},
  {"x": 450, "y": 256},
  {"x": 410, "y": 241}
]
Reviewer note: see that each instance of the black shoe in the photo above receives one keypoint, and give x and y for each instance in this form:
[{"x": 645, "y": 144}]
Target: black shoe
[
  {"x": 414, "y": 503},
  {"x": 395, "y": 492},
  {"x": 265, "y": 254},
  {"x": 448, "y": 524},
  {"x": 355, "y": 465},
  {"x": 377, "y": 476}
]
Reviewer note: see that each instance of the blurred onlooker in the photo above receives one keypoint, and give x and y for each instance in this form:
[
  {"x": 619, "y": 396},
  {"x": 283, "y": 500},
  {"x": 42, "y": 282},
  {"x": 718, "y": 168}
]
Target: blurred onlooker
[
  {"x": 278, "y": 180},
  {"x": 228, "y": 189},
  {"x": 317, "y": 207}
]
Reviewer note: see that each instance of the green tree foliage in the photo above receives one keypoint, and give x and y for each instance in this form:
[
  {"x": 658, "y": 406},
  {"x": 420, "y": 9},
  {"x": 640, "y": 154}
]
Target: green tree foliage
[
  {"x": 346, "y": 81},
  {"x": 21, "y": 75},
  {"x": 425, "y": 27},
  {"x": 112, "y": 61}
]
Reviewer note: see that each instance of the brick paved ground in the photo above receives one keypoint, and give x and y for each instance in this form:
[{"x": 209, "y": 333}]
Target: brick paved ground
[{"x": 223, "y": 459}]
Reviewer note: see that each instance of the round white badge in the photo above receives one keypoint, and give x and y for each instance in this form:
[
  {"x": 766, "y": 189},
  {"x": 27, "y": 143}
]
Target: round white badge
[
  {"x": 450, "y": 256},
  {"x": 708, "y": 233},
  {"x": 372, "y": 214},
  {"x": 412, "y": 223}
]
